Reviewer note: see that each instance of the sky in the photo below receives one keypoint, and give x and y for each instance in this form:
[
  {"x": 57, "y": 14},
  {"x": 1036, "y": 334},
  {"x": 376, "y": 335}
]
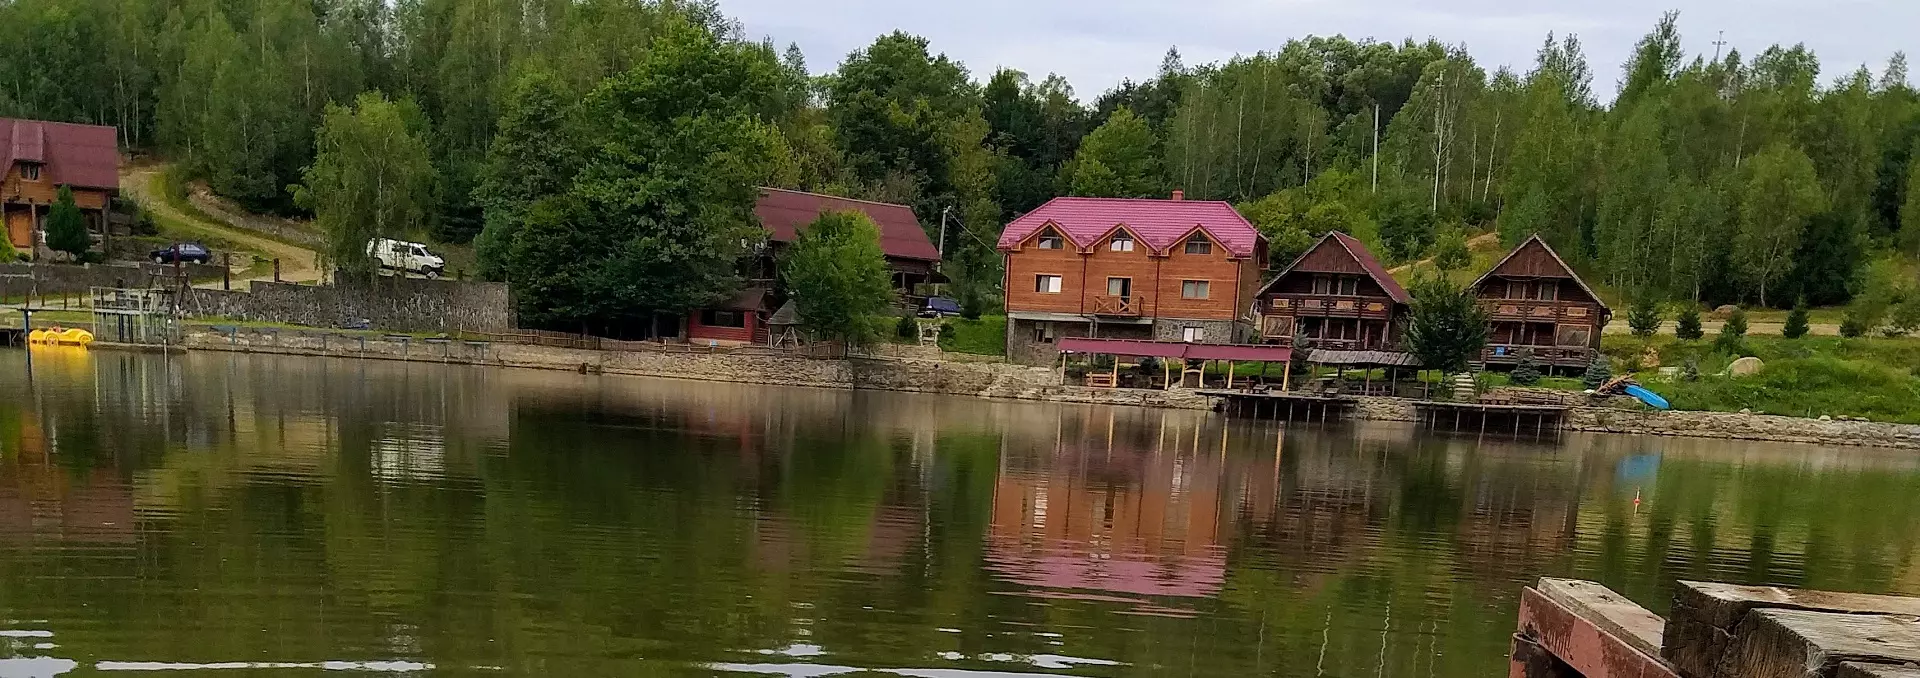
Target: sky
[{"x": 1097, "y": 43}]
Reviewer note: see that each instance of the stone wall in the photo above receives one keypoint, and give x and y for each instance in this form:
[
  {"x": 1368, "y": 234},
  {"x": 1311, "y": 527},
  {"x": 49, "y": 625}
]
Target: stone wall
[
  {"x": 1215, "y": 331},
  {"x": 70, "y": 279},
  {"x": 1736, "y": 426},
  {"x": 390, "y": 303}
]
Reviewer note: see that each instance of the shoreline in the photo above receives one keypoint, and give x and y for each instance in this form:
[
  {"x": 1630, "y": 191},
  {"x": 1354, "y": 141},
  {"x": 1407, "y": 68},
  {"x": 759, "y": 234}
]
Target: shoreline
[{"x": 920, "y": 370}]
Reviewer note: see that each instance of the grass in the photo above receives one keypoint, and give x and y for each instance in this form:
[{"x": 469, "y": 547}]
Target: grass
[
  {"x": 986, "y": 336},
  {"x": 1876, "y": 378}
]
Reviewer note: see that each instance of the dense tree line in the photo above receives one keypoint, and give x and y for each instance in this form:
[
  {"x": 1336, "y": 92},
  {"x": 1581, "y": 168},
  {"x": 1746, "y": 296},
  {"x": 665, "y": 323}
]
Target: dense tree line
[{"x": 551, "y": 135}]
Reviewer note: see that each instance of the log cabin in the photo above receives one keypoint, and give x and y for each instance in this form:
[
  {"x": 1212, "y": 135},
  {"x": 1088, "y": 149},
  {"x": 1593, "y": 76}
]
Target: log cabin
[
  {"x": 37, "y": 158},
  {"x": 1335, "y": 296},
  {"x": 1123, "y": 268},
  {"x": 910, "y": 255},
  {"x": 1537, "y": 303}
]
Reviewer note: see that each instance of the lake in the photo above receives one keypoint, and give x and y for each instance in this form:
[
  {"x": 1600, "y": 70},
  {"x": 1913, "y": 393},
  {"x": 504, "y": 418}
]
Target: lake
[{"x": 234, "y": 515}]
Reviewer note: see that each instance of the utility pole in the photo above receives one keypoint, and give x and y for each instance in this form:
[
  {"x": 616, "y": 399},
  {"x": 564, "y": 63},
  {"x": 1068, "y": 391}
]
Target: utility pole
[
  {"x": 1717, "y": 44},
  {"x": 944, "y": 213},
  {"x": 1376, "y": 148}
]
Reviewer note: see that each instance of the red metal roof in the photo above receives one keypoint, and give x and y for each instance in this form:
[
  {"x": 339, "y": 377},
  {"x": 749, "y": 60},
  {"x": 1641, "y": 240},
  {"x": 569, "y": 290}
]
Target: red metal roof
[
  {"x": 1173, "y": 349},
  {"x": 785, "y": 212},
  {"x": 85, "y": 156},
  {"x": 1161, "y": 223}
]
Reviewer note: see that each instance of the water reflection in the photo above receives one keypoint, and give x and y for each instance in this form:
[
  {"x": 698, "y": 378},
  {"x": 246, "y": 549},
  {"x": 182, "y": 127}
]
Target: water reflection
[{"x": 275, "y": 516}]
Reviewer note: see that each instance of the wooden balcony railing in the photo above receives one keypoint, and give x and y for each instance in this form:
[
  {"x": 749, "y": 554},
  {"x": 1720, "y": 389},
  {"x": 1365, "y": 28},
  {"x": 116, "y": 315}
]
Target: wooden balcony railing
[
  {"x": 1108, "y": 305},
  {"x": 1545, "y": 311},
  {"x": 1329, "y": 306},
  {"x": 1545, "y": 355}
]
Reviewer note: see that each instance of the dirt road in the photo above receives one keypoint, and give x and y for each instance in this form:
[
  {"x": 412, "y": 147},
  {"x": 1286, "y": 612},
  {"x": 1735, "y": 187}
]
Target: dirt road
[{"x": 296, "y": 263}]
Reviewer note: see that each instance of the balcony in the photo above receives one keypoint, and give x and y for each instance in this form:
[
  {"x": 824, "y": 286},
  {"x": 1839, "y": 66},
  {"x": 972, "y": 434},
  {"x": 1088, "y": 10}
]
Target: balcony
[
  {"x": 1116, "y": 306},
  {"x": 1557, "y": 356},
  {"x": 1322, "y": 306},
  {"x": 1541, "y": 311}
]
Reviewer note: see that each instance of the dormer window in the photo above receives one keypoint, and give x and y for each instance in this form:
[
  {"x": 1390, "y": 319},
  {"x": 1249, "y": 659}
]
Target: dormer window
[
  {"x": 1122, "y": 242},
  {"x": 1050, "y": 241},
  {"x": 1199, "y": 244},
  {"x": 29, "y": 171}
]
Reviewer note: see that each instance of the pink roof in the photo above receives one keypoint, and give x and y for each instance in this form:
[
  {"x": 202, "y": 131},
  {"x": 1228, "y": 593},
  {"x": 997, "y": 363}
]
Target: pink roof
[
  {"x": 1161, "y": 223},
  {"x": 86, "y": 156},
  {"x": 785, "y": 212}
]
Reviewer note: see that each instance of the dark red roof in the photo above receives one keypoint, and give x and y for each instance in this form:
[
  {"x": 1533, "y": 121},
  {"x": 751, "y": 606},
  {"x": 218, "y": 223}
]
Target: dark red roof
[
  {"x": 785, "y": 212},
  {"x": 1374, "y": 269},
  {"x": 86, "y": 156},
  {"x": 1161, "y": 223}
]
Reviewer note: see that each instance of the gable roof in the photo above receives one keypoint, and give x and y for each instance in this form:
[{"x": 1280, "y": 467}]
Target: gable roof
[
  {"x": 1358, "y": 250},
  {"x": 1160, "y": 223},
  {"x": 1565, "y": 270},
  {"x": 785, "y": 212},
  {"x": 83, "y": 156}
]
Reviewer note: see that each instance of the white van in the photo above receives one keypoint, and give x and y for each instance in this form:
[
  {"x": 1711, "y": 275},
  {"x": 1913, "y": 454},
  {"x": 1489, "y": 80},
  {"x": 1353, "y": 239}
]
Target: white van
[{"x": 406, "y": 257}]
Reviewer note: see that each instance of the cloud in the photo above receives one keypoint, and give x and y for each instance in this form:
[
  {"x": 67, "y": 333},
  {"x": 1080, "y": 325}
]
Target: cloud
[{"x": 1095, "y": 44}]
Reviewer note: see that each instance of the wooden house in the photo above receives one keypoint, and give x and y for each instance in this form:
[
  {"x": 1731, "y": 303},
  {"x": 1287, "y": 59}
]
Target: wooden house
[
  {"x": 1335, "y": 296},
  {"x": 1120, "y": 268},
  {"x": 37, "y": 158},
  {"x": 1538, "y": 304},
  {"x": 910, "y": 254}
]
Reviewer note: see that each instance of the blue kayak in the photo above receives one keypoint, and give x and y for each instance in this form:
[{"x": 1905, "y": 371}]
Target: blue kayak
[{"x": 1648, "y": 397}]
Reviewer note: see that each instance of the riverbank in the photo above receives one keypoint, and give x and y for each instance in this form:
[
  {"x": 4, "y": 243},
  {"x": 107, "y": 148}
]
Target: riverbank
[{"x": 919, "y": 370}]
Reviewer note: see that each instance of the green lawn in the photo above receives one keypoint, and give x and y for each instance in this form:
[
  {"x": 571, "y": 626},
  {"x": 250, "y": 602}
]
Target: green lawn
[
  {"x": 986, "y": 336},
  {"x": 1877, "y": 378}
]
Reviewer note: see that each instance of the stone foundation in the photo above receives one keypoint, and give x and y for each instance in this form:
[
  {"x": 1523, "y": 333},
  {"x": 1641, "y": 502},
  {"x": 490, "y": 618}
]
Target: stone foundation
[{"x": 395, "y": 303}]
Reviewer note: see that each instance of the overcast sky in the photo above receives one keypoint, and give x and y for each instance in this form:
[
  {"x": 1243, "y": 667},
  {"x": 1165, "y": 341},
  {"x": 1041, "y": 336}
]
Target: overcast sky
[{"x": 1096, "y": 43}]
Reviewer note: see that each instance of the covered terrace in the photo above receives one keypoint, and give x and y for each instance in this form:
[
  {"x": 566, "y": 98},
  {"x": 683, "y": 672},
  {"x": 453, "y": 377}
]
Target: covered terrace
[{"x": 1151, "y": 364}]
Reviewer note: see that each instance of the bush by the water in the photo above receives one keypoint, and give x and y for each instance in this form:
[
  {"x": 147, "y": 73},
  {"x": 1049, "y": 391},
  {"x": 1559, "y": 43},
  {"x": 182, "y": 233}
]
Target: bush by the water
[
  {"x": 1527, "y": 371},
  {"x": 1598, "y": 372}
]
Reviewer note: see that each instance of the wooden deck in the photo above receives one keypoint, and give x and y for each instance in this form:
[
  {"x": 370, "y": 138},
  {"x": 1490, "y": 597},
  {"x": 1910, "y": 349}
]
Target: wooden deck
[
  {"x": 1282, "y": 405},
  {"x": 1483, "y": 418}
]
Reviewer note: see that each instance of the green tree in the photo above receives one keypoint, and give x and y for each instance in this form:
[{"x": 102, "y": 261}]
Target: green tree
[
  {"x": 1733, "y": 332},
  {"x": 1116, "y": 160},
  {"x": 1599, "y": 372},
  {"x": 662, "y": 210},
  {"x": 1527, "y": 371},
  {"x": 892, "y": 107},
  {"x": 1796, "y": 326},
  {"x": 838, "y": 277},
  {"x": 1687, "y": 325},
  {"x": 1643, "y": 316},
  {"x": 1450, "y": 251},
  {"x": 531, "y": 157},
  {"x": 371, "y": 178},
  {"x": 67, "y": 227},
  {"x": 1780, "y": 194},
  {"x": 1447, "y": 327},
  {"x": 1910, "y": 211}
]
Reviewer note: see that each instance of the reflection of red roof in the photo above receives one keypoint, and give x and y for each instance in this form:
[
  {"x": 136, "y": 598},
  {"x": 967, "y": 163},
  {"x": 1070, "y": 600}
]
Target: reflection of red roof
[
  {"x": 1064, "y": 567},
  {"x": 785, "y": 212},
  {"x": 1161, "y": 223},
  {"x": 84, "y": 156}
]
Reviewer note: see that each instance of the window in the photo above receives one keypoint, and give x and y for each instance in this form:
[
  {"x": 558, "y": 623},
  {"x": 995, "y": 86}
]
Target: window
[
  {"x": 1199, "y": 244},
  {"x": 1043, "y": 333},
  {"x": 723, "y": 318},
  {"x": 30, "y": 171},
  {"x": 1575, "y": 335},
  {"x": 1516, "y": 289},
  {"x": 1323, "y": 284},
  {"x": 1046, "y": 284},
  {"x": 1193, "y": 289},
  {"x": 1050, "y": 241},
  {"x": 1193, "y": 335},
  {"x": 1122, "y": 243},
  {"x": 1119, "y": 287},
  {"x": 1349, "y": 286},
  {"x": 1546, "y": 291}
]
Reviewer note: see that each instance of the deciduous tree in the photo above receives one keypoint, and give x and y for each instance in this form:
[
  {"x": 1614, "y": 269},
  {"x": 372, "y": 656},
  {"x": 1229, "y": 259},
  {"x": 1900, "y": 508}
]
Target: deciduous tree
[
  {"x": 838, "y": 277},
  {"x": 1447, "y": 328},
  {"x": 372, "y": 178}
]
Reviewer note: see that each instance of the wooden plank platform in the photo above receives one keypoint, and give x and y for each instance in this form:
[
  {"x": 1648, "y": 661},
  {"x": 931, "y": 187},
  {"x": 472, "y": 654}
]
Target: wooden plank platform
[
  {"x": 1491, "y": 407},
  {"x": 1298, "y": 396}
]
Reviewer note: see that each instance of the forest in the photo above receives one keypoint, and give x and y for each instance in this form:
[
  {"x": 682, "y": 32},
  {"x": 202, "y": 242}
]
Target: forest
[{"x": 601, "y": 154}]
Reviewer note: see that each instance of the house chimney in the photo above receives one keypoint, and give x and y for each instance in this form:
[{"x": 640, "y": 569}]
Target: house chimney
[{"x": 1179, "y": 194}]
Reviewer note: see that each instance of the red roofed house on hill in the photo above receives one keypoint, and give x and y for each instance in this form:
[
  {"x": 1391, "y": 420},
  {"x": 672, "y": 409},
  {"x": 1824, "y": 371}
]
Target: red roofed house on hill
[
  {"x": 910, "y": 255},
  {"x": 1119, "y": 268},
  {"x": 1336, "y": 296},
  {"x": 37, "y": 158}
]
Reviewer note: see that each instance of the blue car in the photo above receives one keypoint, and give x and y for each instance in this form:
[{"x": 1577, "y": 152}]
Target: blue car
[
  {"x": 936, "y": 307},
  {"x": 183, "y": 252}
]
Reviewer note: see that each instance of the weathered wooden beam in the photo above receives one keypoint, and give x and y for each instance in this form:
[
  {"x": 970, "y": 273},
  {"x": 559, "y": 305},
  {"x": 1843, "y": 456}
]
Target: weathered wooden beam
[
  {"x": 1779, "y": 643},
  {"x": 1612, "y": 612},
  {"x": 1581, "y": 644},
  {"x": 1861, "y": 670},
  {"x": 1703, "y": 619}
]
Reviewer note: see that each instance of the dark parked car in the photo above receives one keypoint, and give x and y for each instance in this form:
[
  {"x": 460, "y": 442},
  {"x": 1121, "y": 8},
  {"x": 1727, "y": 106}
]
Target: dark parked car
[
  {"x": 937, "y": 307},
  {"x": 185, "y": 252}
]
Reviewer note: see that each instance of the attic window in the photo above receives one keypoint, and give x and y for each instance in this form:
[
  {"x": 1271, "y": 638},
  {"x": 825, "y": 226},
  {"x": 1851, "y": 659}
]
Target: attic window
[
  {"x": 1050, "y": 241},
  {"x": 1123, "y": 243},
  {"x": 29, "y": 171},
  {"x": 1199, "y": 244}
]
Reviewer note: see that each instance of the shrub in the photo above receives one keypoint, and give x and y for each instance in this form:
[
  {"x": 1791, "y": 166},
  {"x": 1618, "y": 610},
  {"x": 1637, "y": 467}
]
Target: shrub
[
  {"x": 7, "y": 254},
  {"x": 1733, "y": 333},
  {"x": 1644, "y": 316},
  {"x": 1527, "y": 371},
  {"x": 1690, "y": 370},
  {"x": 1853, "y": 325},
  {"x": 67, "y": 227},
  {"x": 1598, "y": 372},
  {"x": 906, "y": 328},
  {"x": 1796, "y": 321},
  {"x": 1687, "y": 326}
]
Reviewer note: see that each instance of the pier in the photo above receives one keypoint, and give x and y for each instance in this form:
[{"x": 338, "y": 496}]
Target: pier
[
  {"x": 1580, "y": 629},
  {"x": 1483, "y": 418},
  {"x": 1283, "y": 405}
]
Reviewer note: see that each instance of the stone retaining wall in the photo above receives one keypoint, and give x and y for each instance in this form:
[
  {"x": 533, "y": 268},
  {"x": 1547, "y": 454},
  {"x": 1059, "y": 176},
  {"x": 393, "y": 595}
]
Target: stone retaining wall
[
  {"x": 1736, "y": 426},
  {"x": 392, "y": 303},
  {"x": 69, "y": 279}
]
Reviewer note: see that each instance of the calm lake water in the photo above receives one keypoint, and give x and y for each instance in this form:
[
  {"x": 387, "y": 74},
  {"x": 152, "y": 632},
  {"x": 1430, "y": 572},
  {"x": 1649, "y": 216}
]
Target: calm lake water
[{"x": 230, "y": 515}]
